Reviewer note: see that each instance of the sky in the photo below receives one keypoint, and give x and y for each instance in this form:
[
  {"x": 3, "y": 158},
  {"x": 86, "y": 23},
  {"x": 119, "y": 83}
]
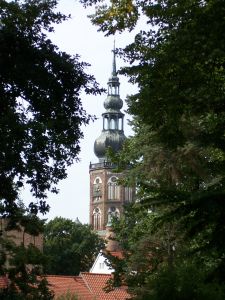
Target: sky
[{"x": 79, "y": 36}]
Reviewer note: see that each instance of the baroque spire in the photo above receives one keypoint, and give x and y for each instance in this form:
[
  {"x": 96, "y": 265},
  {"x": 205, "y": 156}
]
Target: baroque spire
[{"x": 112, "y": 135}]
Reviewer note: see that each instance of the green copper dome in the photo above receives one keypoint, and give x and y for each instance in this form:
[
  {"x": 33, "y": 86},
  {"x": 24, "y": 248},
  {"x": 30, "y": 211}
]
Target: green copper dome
[
  {"x": 113, "y": 102},
  {"x": 107, "y": 139}
]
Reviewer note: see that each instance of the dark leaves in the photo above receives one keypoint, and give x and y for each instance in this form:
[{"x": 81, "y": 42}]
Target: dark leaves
[{"x": 40, "y": 108}]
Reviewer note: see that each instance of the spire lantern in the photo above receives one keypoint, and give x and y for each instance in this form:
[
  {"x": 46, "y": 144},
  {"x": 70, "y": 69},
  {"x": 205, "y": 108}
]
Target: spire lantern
[{"x": 113, "y": 83}]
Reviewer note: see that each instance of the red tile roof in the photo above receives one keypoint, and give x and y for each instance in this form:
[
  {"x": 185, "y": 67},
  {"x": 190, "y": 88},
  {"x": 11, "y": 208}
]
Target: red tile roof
[
  {"x": 87, "y": 286},
  {"x": 61, "y": 285},
  {"x": 97, "y": 282}
]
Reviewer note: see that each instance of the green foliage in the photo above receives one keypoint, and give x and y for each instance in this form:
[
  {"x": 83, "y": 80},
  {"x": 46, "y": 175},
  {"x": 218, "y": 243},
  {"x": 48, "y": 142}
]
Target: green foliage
[
  {"x": 182, "y": 283},
  {"x": 176, "y": 156},
  {"x": 114, "y": 16},
  {"x": 22, "y": 263},
  {"x": 24, "y": 273},
  {"x": 146, "y": 248},
  {"x": 40, "y": 127},
  {"x": 71, "y": 247},
  {"x": 160, "y": 263},
  {"x": 67, "y": 296},
  {"x": 41, "y": 111}
]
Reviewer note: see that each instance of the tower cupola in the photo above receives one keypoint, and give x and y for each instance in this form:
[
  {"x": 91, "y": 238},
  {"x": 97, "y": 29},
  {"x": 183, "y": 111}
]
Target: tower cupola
[{"x": 112, "y": 135}]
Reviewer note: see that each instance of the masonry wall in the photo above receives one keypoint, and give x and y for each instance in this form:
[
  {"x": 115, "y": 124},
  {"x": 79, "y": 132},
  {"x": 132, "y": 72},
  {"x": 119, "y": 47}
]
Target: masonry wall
[
  {"x": 20, "y": 237},
  {"x": 100, "y": 199}
]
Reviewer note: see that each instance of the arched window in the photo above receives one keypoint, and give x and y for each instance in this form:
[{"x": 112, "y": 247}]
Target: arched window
[
  {"x": 113, "y": 189},
  {"x": 105, "y": 123},
  {"x": 97, "y": 189},
  {"x": 112, "y": 124},
  {"x": 113, "y": 89},
  {"x": 113, "y": 212},
  {"x": 120, "y": 124},
  {"x": 97, "y": 218},
  {"x": 128, "y": 194}
]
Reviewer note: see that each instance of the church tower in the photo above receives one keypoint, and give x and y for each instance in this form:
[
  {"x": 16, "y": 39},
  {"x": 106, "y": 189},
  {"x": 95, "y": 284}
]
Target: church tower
[{"x": 107, "y": 198}]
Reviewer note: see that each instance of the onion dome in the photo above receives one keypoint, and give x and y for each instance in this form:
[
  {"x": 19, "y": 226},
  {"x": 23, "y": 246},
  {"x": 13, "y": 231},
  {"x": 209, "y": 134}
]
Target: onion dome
[
  {"x": 106, "y": 140},
  {"x": 113, "y": 103},
  {"x": 113, "y": 119}
]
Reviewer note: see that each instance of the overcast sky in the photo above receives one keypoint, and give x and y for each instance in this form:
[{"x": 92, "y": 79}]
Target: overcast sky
[{"x": 79, "y": 36}]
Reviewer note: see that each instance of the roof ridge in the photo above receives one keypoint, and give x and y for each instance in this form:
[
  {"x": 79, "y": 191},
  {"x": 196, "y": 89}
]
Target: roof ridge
[
  {"x": 64, "y": 276},
  {"x": 85, "y": 282},
  {"x": 91, "y": 274}
]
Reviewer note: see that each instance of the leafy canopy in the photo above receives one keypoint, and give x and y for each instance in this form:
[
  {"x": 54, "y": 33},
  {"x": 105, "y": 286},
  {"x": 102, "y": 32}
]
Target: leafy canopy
[
  {"x": 40, "y": 108},
  {"x": 41, "y": 114},
  {"x": 70, "y": 246},
  {"x": 177, "y": 153}
]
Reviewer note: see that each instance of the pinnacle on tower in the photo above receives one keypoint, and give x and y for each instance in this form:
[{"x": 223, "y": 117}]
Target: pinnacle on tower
[{"x": 114, "y": 61}]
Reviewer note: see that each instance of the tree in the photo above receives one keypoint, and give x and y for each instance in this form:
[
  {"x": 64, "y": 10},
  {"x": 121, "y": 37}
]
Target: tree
[
  {"x": 22, "y": 262},
  {"x": 25, "y": 276},
  {"x": 70, "y": 247},
  {"x": 41, "y": 110},
  {"x": 40, "y": 121},
  {"x": 177, "y": 153},
  {"x": 158, "y": 262},
  {"x": 145, "y": 249}
]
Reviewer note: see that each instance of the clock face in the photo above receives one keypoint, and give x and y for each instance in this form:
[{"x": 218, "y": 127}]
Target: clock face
[
  {"x": 113, "y": 209},
  {"x": 113, "y": 179}
]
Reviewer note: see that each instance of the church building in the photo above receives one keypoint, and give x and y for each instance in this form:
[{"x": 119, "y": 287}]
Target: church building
[{"x": 107, "y": 197}]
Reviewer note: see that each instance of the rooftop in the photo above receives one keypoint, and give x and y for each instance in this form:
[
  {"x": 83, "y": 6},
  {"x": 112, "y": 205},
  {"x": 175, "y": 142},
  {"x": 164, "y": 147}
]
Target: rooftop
[{"x": 87, "y": 286}]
